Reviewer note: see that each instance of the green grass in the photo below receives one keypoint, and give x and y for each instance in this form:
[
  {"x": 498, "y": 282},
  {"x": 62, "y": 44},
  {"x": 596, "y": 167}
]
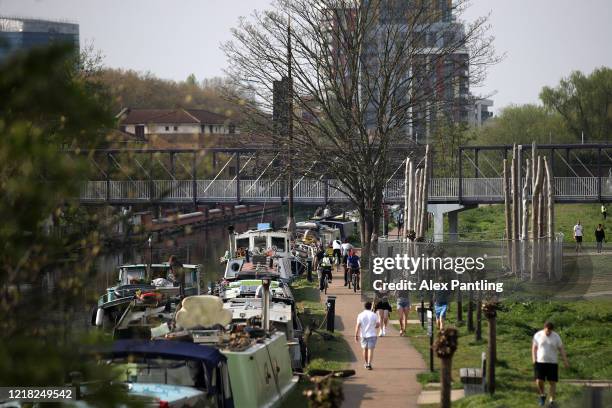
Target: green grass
[
  {"x": 330, "y": 353},
  {"x": 487, "y": 221},
  {"x": 584, "y": 326}
]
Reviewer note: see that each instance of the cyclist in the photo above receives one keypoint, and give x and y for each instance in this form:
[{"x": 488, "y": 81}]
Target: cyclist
[
  {"x": 325, "y": 268},
  {"x": 353, "y": 265}
]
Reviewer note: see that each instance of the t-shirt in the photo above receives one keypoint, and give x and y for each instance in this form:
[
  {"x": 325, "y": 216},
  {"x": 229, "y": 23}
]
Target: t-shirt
[
  {"x": 353, "y": 261},
  {"x": 346, "y": 247},
  {"x": 578, "y": 230},
  {"x": 367, "y": 321},
  {"x": 336, "y": 244},
  {"x": 548, "y": 347}
]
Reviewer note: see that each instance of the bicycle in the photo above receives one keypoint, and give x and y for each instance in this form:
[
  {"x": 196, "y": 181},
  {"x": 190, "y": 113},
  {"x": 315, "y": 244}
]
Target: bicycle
[
  {"x": 355, "y": 275},
  {"x": 324, "y": 280}
]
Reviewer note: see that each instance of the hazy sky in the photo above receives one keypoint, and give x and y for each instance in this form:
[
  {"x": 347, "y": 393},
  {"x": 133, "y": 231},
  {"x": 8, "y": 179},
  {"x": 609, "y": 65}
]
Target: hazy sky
[{"x": 544, "y": 39}]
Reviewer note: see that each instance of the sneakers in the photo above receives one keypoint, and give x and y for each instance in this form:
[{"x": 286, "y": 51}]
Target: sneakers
[
  {"x": 368, "y": 366},
  {"x": 542, "y": 400}
]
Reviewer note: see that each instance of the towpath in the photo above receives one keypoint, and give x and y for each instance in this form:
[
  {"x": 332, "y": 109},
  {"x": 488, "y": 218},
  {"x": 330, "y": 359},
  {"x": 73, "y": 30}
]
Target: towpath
[{"x": 392, "y": 382}]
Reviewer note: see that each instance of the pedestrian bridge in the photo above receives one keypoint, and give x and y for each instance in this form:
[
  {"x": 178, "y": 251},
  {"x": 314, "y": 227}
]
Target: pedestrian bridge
[{"x": 307, "y": 191}]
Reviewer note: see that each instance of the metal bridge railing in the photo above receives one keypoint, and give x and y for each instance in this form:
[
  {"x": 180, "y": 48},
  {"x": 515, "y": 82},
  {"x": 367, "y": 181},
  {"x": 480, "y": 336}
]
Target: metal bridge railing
[{"x": 317, "y": 191}]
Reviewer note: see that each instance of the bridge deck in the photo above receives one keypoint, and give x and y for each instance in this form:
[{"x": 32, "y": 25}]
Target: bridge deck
[{"x": 306, "y": 191}]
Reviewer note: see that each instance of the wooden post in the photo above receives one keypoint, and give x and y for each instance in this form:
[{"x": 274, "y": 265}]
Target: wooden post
[
  {"x": 445, "y": 347},
  {"x": 470, "y": 312},
  {"x": 490, "y": 311},
  {"x": 535, "y": 201},
  {"x": 478, "y": 334},
  {"x": 516, "y": 207},
  {"x": 417, "y": 201},
  {"x": 237, "y": 178},
  {"x": 550, "y": 230},
  {"x": 525, "y": 222},
  {"x": 507, "y": 212},
  {"x": 409, "y": 220}
]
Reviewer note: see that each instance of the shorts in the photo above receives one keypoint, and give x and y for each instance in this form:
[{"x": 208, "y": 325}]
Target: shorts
[
  {"x": 385, "y": 313},
  {"x": 403, "y": 303},
  {"x": 368, "y": 342},
  {"x": 441, "y": 310},
  {"x": 579, "y": 238},
  {"x": 546, "y": 371}
]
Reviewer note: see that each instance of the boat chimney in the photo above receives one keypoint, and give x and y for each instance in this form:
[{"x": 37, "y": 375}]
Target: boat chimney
[
  {"x": 232, "y": 249},
  {"x": 265, "y": 303}
]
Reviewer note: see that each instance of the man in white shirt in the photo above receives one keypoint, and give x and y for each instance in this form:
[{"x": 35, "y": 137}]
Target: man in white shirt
[
  {"x": 345, "y": 249},
  {"x": 337, "y": 247},
  {"x": 367, "y": 325},
  {"x": 544, "y": 354},
  {"x": 578, "y": 236}
]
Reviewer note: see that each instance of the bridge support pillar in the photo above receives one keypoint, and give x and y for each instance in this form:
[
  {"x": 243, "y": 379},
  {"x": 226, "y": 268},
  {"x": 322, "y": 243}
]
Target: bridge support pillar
[{"x": 438, "y": 211}]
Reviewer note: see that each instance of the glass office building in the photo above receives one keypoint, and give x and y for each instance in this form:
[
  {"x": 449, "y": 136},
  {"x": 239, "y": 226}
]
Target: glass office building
[{"x": 22, "y": 34}]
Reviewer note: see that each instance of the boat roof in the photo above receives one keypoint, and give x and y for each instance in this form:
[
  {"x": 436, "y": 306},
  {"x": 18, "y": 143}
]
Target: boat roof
[
  {"x": 176, "y": 350},
  {"x": 157, "y": 265}
]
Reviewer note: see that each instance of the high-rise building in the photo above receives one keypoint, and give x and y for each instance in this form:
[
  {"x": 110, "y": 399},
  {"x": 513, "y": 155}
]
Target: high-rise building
[
  {"x": 18, "y": 34},
  {"x": 435, "y": 85}
]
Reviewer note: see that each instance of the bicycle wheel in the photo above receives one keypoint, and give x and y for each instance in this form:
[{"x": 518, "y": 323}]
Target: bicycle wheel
[
  {"x": 326, "y": 284},
  {"x": 354, "y": 282}
]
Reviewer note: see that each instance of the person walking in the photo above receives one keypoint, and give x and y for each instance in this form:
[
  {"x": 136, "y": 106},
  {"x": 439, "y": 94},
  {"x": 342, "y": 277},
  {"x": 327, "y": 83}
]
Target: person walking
[
  {"x": 600, "y": 237},
  {"x": 578, "y": 236},
  {"x": 545, "y": 348},
  {"x": 365, "y": 330},
  {"x": 441, "y": 307},
  {"x": 604, "y": 211},
  {"x": 383, "y": 309},
  {"x": 403, "y": 307}
]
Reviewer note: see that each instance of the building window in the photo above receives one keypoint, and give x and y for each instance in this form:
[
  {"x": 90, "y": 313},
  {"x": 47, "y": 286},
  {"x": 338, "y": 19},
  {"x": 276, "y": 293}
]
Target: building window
[
  {"x": 232, "y": 128},
  {"x": 139, "y": 130},
  {"x": 167, "y": 128},
  {"x": 210, "y": 128},
  {"x": 176, "y": 128}
]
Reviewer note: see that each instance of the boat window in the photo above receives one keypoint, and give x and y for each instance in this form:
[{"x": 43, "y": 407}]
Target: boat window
[
  {"x": 261, "y": 243},
  {"x": 132, "y": 276},
  {"x": 158, "y": 371},
  {"x": 242, "y": 243},
  {"x": 279, "y": 243}
]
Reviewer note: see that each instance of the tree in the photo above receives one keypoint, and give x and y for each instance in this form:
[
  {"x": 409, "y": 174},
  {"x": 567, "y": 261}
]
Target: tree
[
  {"x": 447, "y": 138},
  {"x": 45, "y": 106},
  {"x": 584, "y": 102},
  {"x": 522, "y": 124},
  {"x": 362, "y": 74}
]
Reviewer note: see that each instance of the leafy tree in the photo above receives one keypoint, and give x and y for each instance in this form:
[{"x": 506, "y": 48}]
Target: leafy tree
[
  {"x": 584, "y": 102},
  {"x": 447, "y": 137},
  {"x": 523, "y": 124},
  {"x": 44, "y": 107}
]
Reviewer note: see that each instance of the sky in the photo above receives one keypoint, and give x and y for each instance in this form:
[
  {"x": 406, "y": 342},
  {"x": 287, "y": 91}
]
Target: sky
[{"x": 542, "y": 40}]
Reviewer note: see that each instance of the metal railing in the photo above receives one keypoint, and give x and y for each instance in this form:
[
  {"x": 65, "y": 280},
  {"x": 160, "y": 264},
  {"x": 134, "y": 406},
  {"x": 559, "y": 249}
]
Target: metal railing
[{"x": 473, "y": 190}]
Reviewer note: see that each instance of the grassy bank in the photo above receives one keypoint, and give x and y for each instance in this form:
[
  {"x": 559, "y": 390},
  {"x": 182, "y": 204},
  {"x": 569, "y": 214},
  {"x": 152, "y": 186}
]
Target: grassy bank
[
  {"x": 487, "y": 221},
  {"x": 584, "y": 326},
  {"x": 329, "y": 353}
]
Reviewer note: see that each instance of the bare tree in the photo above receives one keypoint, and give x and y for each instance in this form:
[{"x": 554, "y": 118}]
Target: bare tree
[{"x": 365, "y": 75}]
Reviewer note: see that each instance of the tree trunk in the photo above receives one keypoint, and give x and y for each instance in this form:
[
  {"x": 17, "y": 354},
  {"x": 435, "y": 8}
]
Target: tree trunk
[
  {"x": 411, "y": 195},
  {"x": 492, "y": 355},
  {"x": 406, "y": 196},
  {"x": 446, "y": 365},
  {"x": 478, "y": 334},
  {"x": 424, "y": 192},
  {"x": 470, "y": 313},
  {"x": 417, "y": 201}
]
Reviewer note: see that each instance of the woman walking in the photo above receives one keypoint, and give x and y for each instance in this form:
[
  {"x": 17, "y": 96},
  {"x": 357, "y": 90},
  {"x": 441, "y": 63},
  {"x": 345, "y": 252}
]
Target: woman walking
[
  {"x": 600, "y": 237},
  {"x": 403, "y": 307},
  {"x": 383, "y": 310}
]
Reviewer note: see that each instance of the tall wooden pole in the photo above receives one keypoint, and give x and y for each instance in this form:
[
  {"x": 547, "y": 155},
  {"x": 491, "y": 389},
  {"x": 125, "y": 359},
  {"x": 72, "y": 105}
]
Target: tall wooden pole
[
  {"x": 406, "y": 197},
  {"x": 535, "y": 200},
  {"x": 417, "y": 201},
  {"x": 550, "y": 231},
  {"x": 507, "y": 212},
  {"x": 525, "y": 222},
  {"x": 516, "y": 206}
]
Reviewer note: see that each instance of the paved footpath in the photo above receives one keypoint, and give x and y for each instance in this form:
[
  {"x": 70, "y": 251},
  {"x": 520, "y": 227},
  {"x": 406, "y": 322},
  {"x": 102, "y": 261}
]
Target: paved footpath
[{"x": 392, "y": 382}]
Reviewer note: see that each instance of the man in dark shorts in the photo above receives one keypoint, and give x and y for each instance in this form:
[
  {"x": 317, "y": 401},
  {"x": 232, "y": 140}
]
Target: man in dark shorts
[{"x": 544, "y": 354}]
